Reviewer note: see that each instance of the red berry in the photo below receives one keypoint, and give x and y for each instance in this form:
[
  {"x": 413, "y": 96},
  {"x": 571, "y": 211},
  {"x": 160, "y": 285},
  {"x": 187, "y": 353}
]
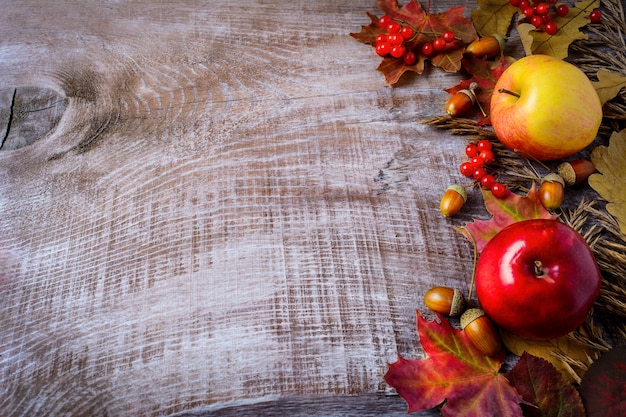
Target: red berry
[
  {"x": 524, "y": 4},
  {"x": 381, "y": 38},
  {"x": 471, "y": 150},
  {"x": 427, "y": 49},
  {"x": 595, "y": 16},
  {"x": 439, "y": 44},
  {"x": 550, "y": 28},
  {"x": 536, "y": 20},
  {"x": 383, "y": 49},
  {"x": 409, "y": 58},
  {"x": 487, "y": 156},
  {"x": 547, "y": 18},
  {"x": 552, "y": 1},
  {"x": 484, "y": 145},
  {"x": 488, "y": 181},
  {"x": 562, "y": 10},
  {"x": 479, "y": 173},
  {"x": 477, "y": 161},
  {"x": 448, "y": 36},
  {"x": 384, "y": 21},
  {"x": 499, "y": 190},
  {"x": 395, "y": 39},
  {"x": 394, "y": 27},
  {"x": 406, "y": 32},
  {"x": 467, "y": 169},
  {"x": 514, "y": 3},
  {"x": 542, "y": 8},
  {"x": 528, "y": 12},
  {"x": 397, "y": 51}
]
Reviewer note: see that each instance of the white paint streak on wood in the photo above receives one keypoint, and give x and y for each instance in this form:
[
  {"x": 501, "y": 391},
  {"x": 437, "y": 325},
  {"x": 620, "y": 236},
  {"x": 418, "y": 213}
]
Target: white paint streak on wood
[{"x": 207, "y": 223}]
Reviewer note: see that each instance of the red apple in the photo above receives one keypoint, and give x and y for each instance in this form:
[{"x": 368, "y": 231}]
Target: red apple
[
  {"x": 537, "y": 279},
  {"x": 545, "y": 108}
]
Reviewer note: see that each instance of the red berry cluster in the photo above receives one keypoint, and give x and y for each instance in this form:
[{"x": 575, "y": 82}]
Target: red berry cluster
[
  {"x": 539, "y": 13},
  {"x": 397, "y": 40},
  {"x": 481, "y": 156}
]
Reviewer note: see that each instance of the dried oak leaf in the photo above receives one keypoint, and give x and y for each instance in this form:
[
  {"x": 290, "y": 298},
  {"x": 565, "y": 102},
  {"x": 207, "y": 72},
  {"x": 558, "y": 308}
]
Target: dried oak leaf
[
  {"x": 609, "y": 85},
  {"x": 493, "y": 17},
  {"x": 552, "y": 350},
  {"x": 485, "y": 74},
  {"x": 505, "y": 211},
  {"x": 542, "y": 384},
  {"x": 610, "y": 182},
  {"x": 454, "y": 371},
  {"x": 426, "y": 27},
  {"x": 603, "y": 388},
  {"x": 539, "y": 42}
]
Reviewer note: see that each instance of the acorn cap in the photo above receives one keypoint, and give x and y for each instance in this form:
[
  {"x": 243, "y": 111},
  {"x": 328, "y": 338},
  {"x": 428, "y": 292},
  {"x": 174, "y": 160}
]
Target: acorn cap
[
  {"x": 553, "y": 177},
  {"x": 471, "y": 315},
  {"x": 458, "y": 189},
  {"x": 458, "y": 303},
  {"x": 567, "y": 172}
]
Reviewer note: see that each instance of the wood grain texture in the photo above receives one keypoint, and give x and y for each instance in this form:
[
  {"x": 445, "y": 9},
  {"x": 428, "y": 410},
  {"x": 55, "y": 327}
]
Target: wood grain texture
[{"x": 233, "y": 208}]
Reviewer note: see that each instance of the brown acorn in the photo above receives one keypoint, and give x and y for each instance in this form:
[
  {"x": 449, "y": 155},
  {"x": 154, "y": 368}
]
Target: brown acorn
[
  {"x": 444, "y": 300},
  {"x": 481, "y": 332},
  {"x": 552, "y": 191},
  {"x": 575, "y": 172},
  {"x": 460, "y": 103},
  {"x": 488, "y": 46},
  {"x": 452, "y": 200}
]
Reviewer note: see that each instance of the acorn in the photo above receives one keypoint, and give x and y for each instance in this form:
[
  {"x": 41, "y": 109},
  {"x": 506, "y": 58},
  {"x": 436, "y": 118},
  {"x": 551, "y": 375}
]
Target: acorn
[
  {"x": 488, "y": 46},
  {"x": 575, "y": 172},
  {"x": 452, "y": 200},
  {"x": 461, "y": 102},
  {"x": 444, "y": 300},
  {"x": 552, "y": 191},
  {"x": 481, "y": 332}
]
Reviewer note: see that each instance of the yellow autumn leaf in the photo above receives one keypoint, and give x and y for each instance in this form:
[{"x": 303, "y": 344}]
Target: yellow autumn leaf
[
  {"x": 610, "y": 182},
  {"x": 539, "y": 42},
  {"x": 609, "y": 85},
  {"x": 553, "y": 351},
  {"x": 493, "y": 17}
]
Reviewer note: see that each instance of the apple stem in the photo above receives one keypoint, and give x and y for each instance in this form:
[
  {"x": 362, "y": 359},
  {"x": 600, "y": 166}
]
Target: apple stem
[
  {"x": 539, "y": 269},
  {"x": 504, "y": 90}
]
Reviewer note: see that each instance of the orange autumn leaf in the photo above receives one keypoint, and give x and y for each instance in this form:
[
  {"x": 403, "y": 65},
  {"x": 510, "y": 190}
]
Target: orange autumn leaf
[
  {"x": 426, "y": 28},
  {"x": 455, "y": 372},
  {"x": 505, "y": 211}
]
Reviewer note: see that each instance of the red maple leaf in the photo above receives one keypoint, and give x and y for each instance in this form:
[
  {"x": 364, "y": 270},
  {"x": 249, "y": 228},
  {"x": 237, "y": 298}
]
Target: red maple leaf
[
  {"x": 454, "y": 371},
  {"x": 505, "y": 211},
  {"x": 485, "y": 74},
  {"x": 426, "y": 27}
]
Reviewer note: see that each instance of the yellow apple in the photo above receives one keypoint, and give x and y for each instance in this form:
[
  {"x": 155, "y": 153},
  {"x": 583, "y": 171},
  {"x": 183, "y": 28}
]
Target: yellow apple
[{"x": 545, "y": 108}]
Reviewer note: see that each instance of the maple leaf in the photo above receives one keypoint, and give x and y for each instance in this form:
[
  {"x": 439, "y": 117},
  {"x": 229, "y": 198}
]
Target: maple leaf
[
  {"x": 493, "y": 17},
  {"x": 485, "y": 74},
  {"x": 454, "y": 371},
  {"x": 609, "y": 85},
  {"x": 557, "y": 45},
  {"x": 610, "y": 182},
  {"x": 542, "y": 384},
  {"x": 426, "y": 28},
  {"x": 603, "y": 388},
  {"x": 505, "y": 211}
]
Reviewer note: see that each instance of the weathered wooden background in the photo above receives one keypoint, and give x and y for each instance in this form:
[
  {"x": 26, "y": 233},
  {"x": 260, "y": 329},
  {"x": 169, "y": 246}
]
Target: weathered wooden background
[{"x": 214, "y": 207}]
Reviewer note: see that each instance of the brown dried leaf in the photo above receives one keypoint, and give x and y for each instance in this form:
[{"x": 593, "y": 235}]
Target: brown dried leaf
[
  {"x": 493, "y": 17},
  {"x": 539, "y": 42},
  {"x": 610, "y": 182},
  {"x": 609, "y": 85},
  {"x": 552, "y": 351}
]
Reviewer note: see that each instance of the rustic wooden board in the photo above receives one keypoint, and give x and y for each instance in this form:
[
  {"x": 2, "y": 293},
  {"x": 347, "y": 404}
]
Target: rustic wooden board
[{"x": 232, "y": 208}]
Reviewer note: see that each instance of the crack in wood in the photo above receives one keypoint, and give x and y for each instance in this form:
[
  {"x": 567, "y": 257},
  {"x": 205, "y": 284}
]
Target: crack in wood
[{"x": 6, "y": 133}]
